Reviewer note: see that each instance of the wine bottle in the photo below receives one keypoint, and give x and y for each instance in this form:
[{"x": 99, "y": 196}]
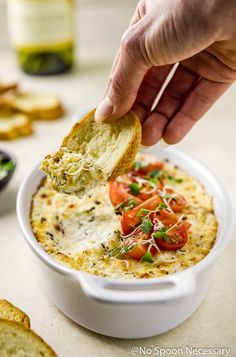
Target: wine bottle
[{"x": 41, "y": 32}]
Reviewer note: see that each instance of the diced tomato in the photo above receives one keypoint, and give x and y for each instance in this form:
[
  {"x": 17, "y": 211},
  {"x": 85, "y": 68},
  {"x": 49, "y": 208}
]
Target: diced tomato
[
  {"x": 178, "y": 203},
  {"x": 130, "y": 220},
  {"x": 138, "y": 251},
  {"x": 119, "y": 194},
  {"x": 145, "y": 196},
  {"x": 187, "y": 225},
  {"x": 166, "y": 217},
  {"x": 177, "y": 238},
  {"x": 150, "y": 167}
]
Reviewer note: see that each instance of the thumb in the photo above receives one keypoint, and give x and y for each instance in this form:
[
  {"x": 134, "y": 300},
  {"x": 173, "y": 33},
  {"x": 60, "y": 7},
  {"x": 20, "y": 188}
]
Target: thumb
[{"x": 128, "y": 73}]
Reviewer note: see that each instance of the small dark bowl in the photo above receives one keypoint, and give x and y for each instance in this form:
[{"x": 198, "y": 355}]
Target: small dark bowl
[{"x": 4, "y": 158}]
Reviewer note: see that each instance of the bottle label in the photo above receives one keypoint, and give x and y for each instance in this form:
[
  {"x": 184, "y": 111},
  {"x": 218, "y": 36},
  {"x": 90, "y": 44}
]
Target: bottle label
[{"x": 37, "y": 25}]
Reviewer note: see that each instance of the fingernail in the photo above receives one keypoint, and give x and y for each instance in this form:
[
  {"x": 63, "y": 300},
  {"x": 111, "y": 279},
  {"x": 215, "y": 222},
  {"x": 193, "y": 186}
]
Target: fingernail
[
  {"x": 163, "y": 144},
  {"x": 104, "y": 109}
]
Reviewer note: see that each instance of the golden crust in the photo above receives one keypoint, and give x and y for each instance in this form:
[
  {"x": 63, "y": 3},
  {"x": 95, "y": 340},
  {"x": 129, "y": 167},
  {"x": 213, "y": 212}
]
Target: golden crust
[
  {"x": 10, "y": 312},
  {"x": 132, "y": 147},
  {"x": 125, "y": 161},
  {"x": 15, "y": 129},
  {"x": 6, "y": 87},
  {"x": 35, "y": 111}
]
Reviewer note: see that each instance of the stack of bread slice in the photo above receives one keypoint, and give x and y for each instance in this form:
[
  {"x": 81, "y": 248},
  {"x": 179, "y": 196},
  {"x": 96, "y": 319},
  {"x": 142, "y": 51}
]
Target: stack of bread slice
[
  {"x": 16, "y": 337},
  {"x": 19, "y": 109}
]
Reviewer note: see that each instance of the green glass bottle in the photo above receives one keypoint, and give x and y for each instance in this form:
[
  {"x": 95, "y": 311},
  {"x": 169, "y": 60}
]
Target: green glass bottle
[{"x": 41, "y": 32}]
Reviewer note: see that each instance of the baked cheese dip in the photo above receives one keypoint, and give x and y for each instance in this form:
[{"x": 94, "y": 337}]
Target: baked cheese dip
[{"x": 152, "y": 221}]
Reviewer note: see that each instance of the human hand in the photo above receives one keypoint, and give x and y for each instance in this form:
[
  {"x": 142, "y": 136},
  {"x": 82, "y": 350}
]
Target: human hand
[{"x": 201, "y": 37}]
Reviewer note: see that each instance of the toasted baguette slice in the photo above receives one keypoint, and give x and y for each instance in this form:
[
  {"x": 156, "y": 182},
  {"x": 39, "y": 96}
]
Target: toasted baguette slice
[
  {"x": 40, "y": 106},
  {"x": 93, "y": 153},
  {"x": 14, "y": 125},
  {"x": 13, "y": 313},
  {"x": 17, "y": 340},
  {"x": 6, "y": 87}
]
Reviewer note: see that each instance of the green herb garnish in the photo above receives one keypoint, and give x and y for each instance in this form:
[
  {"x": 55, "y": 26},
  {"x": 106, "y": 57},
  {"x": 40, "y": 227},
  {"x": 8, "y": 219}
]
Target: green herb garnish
[
  {"x": 130, "y": 204},
  {"x": 162, "y": 205},
  {"x": 156, "y": 173},
  {"x": 135, "y": 188},
  {"x": 121, "y": 250},
  {"x": 125, "y": 206},
  {"x": 172, "y": 178},
  {"x": 153, "y": 180},
  {"x": 138, "y": 165},
  {"x": 147, "y": 258},
  {"x": 143, "y": 212},
  {"x": 161, "y": 234},
  {"x": 120, "y": 205},
  {"x": 146, "y": 225}
]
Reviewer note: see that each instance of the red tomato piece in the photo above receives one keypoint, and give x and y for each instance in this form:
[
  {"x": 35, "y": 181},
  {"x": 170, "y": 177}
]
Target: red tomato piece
[
  {"x": 130, "y": 220},
  {"x": 138, "y": 251},
  {"x": 150, "y": 167},
  {"x": 177, "y": 238},
  {"x": 178, "y": 203},
  {"x": 119, "y": 194}
]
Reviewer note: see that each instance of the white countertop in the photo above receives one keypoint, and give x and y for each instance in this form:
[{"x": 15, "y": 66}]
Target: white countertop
[{"x": 212, "y": 141}]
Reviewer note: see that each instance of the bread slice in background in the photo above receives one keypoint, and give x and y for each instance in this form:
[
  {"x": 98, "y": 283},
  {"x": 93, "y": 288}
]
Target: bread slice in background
[
  {"x": 16, "y": 340},
  {"x": 13, "y": 313},
  {"x": 6, "y": 87},
  {"x": 93, "y": 153},
  {"x": 14, "y": 125},
  {"x": 39, "y": 106}
]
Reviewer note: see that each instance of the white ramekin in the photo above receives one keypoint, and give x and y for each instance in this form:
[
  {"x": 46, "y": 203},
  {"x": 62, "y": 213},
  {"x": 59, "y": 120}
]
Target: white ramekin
[{"x": 134, "y": 308}]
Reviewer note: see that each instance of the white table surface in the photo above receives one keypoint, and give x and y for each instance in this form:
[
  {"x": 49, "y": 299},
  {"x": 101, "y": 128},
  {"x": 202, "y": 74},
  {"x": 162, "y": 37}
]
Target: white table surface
[{"x": 212, "y": 141}]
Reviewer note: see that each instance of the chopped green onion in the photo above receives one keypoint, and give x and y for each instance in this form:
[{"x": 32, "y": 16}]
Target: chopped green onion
[
  {"x": 163, "y": 205},
  {"x": 172, "y": 178},
  {"x": 120, "y": 205},
  {"x": 138, "y": 165},
  {"x": 130, "y": 204},
  {"x": 134, "y": 188},
  {"x": 147, "y": 258},
  {"x": 153, "y": 180},
  {"x": 126, "y": 205},
  {"x": 121, "y": 250},
  {"x": 142, "y": 212},
  {"x": 146, "y": 225},
  {"x": 161, "y": 234},
  {"x": 156, "y": 173}
]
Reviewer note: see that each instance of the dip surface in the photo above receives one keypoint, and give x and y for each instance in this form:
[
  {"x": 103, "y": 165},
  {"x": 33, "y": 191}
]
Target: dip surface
[{"x": 81, "y": 232}]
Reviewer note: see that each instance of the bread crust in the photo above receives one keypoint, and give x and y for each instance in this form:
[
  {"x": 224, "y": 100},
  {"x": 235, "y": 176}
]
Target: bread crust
[
  {"x": 14, "y": 313},
  {"x": 35, "y": 113},
  {"x": 5, "y": 87},
  {"x": 16, "y": 130},
  {"x": 124, "y": 161},
  {"x": 15, "y": 326}
]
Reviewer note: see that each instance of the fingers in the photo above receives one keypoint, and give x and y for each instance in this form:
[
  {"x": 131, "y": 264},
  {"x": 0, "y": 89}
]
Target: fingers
[
  {"x": 172, "y": 98},
  {"x": 198, "y": 102},
  {"x": 127, "y": 76},
  {"x": 129, "y": 69},
  {"x": 150, "y": 87}
]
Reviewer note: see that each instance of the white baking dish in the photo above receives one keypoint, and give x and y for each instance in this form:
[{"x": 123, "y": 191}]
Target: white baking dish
[{"x": 134, "y": 308}]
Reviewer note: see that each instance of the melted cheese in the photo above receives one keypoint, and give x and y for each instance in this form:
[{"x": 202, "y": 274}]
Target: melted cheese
[
  {"x": 70, "y": 172},
  {"x": 81, "y": 232}
]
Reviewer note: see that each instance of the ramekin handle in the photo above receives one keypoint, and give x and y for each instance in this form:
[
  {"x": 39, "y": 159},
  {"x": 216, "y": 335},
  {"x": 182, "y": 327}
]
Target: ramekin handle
[{"x": 149, "y": 291}]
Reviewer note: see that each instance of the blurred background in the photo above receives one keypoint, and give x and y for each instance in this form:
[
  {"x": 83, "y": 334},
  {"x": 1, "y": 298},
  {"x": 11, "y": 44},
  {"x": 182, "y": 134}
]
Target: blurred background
[{"x": 99, "y": 25}]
